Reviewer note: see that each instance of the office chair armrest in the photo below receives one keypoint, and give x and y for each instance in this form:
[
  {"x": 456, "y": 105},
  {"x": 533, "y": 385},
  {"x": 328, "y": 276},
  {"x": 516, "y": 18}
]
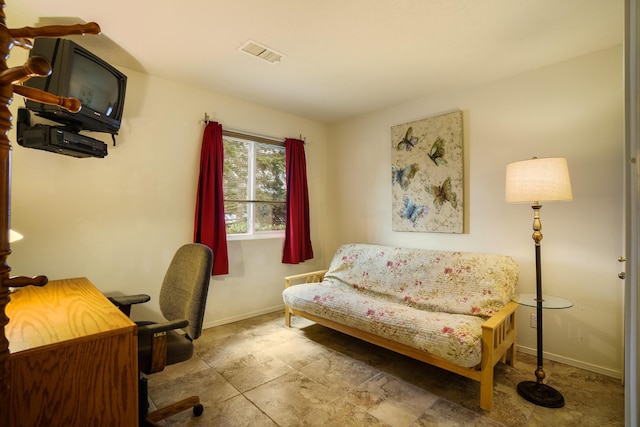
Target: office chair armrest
[
  {"x": 158, "y": 334},
  {"x": 155, "y": 328},
  {"x": 125, "y": 302},
  {"x": 129, "y": 299}
]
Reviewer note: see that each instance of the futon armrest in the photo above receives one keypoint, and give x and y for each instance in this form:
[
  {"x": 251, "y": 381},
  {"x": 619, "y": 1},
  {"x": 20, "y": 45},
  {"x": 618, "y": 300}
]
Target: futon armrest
[
  {"x": 155, "y": 328},
  {"x": 312, "y": 277},
  {"x": 125, "y": 300}
]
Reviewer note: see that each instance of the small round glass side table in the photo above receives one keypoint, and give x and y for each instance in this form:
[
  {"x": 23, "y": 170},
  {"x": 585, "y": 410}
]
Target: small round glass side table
[
  {"x": 548, "y": 301},
  {"x": 536, "y": 391}
]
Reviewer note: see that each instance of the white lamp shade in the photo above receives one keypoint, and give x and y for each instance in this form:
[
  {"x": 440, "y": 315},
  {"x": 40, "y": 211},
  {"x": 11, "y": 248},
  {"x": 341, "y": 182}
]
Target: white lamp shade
[
  {"x": 14, "y": 236},
  {"x": 538, "y": 180}
]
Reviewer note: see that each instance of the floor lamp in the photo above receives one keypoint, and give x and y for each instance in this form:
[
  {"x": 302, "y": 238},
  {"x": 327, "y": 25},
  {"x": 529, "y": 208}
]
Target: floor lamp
[{"x": 534, "y": 181}]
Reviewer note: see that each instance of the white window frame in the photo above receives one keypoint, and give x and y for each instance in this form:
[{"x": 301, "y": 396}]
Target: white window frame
[{"x": 251, "y": 233}]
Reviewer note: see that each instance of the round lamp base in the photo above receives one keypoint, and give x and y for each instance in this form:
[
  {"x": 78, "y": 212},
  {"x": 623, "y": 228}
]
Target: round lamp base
[{"x": 541, "y": 394}]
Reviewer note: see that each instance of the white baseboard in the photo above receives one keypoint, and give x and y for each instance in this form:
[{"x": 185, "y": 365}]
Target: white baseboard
[
  {"x": 244, "y": 316},
  {"x": 572, "y": 362}
]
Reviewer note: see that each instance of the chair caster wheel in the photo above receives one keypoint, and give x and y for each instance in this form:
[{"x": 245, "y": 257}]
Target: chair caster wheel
[{"x": 198, "y": 410}]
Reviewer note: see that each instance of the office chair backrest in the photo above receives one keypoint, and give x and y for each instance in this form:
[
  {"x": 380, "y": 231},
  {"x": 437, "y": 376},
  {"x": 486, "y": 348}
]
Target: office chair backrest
[{"x": 184, "y": 289}]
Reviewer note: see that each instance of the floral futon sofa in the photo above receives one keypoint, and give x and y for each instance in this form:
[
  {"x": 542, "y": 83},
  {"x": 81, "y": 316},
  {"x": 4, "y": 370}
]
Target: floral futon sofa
[{"x": 449, "y": 309}]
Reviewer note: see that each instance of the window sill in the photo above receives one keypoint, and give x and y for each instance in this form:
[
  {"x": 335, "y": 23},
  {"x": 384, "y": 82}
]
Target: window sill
[{"x": 260, "y": 236}]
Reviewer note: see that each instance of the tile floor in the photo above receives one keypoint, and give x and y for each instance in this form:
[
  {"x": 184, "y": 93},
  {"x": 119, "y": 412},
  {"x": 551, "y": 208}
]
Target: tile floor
[{"x": 257, "y": 372}]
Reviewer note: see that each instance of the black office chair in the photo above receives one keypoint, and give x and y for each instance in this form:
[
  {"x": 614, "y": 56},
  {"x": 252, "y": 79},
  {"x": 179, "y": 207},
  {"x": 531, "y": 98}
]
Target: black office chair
[{"x": 182, "y": 302}]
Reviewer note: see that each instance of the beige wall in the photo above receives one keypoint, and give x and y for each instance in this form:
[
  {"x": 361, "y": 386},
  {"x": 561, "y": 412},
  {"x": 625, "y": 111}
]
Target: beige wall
[
  {"x": 573, "y": 109},
  {"x": 118, "y": 220}
]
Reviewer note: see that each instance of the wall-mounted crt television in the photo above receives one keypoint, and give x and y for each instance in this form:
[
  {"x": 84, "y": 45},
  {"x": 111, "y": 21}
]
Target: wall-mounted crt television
[{"x": 77, "y": 73}]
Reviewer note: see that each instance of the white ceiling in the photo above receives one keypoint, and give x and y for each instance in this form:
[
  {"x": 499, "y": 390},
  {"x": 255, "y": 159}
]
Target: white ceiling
[{"x": 342, "y": 57}]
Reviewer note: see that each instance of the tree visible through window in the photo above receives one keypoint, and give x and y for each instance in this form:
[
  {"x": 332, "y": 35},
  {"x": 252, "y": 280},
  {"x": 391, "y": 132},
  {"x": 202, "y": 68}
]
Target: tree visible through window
[{"x": 254, "y": 187}]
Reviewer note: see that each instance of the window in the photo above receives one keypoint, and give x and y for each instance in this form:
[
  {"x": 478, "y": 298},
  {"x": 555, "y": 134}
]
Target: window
[{"x": 254, "y": 187}]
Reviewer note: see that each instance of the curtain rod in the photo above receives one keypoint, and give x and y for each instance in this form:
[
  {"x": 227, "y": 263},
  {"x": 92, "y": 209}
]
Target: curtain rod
[{"x": 251, "y": 137}]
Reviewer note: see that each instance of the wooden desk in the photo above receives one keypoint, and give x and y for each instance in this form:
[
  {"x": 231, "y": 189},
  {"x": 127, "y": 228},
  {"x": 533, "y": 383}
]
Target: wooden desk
[{"x": 73, "y": 358}]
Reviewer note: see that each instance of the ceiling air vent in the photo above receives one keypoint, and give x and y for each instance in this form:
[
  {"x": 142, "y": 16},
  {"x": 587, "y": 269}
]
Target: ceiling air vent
[{"x": 261, "y": 51}]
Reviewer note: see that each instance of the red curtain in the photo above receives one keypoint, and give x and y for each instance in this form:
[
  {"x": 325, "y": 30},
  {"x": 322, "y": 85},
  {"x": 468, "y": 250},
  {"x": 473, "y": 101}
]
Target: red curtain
[
  {"x": 297, "y": 241},
  {"x": 209, "y": 226}
]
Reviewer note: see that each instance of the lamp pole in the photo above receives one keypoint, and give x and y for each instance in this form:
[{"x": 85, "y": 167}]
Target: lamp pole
[{"x": 536, "y": 391}]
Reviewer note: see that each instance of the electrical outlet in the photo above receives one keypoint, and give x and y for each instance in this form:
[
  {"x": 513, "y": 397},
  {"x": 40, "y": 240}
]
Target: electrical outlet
[{"x": 534, "y": 320}]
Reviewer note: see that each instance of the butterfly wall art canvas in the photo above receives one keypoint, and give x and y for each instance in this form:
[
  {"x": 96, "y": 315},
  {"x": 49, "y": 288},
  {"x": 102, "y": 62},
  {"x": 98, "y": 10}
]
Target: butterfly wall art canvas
[{"x": 427, "y": 168}]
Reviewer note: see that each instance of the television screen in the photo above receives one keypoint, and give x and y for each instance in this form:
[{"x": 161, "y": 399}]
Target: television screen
[
  {"x": 78, "y": 73},
  {"x": 93, "y": 85}
]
